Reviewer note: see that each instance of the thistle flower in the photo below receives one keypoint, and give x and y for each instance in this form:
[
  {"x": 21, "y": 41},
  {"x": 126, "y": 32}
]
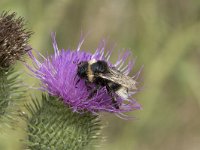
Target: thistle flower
[
  {"x": 57, "y": 75},
  {"x": 13, "y": 39}
]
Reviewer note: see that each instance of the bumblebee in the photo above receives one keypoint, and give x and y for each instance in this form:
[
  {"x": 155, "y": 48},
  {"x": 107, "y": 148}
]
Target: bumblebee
[{"x": 99, "y": 73}]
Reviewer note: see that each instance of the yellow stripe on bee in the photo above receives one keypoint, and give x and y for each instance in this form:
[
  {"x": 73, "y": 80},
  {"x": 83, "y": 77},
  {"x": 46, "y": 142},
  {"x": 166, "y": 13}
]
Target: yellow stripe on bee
[
  {"x": 92, "y": 61},
  {"x": 90, "y": 74}
]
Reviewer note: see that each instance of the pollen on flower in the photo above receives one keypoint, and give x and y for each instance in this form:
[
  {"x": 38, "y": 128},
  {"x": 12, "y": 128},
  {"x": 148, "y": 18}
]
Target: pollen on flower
[
  {"x": 13, "y": 39},
  {"x": 58, "y": 76}
]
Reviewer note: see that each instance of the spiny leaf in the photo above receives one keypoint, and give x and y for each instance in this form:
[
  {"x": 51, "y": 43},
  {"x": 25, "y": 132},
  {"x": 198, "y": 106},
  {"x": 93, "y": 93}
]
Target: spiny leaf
[{"x": 11, "y": 94}]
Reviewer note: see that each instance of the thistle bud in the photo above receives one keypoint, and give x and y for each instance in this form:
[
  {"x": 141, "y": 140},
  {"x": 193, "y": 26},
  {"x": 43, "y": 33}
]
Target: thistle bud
[{"x": 13, "y": 39}]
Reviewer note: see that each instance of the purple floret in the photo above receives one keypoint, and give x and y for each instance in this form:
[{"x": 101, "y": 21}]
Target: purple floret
[{"x": 57, "y": 74}]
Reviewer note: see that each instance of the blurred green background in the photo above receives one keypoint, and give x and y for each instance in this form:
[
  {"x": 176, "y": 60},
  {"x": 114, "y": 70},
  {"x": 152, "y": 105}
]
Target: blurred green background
[{"x": 165, "y": 37}]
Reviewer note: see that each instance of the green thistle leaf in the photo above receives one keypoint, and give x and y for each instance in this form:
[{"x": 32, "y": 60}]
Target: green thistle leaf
[{"x": 11, "y": 95}]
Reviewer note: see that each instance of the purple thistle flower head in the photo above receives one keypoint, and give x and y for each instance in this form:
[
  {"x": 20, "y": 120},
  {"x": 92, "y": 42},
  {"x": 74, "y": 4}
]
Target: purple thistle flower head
[{"x": 58, "y": 76}]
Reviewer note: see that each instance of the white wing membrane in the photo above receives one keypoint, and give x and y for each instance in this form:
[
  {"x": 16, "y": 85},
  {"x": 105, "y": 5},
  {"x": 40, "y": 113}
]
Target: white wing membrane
[{"x": 118, "y": 77}]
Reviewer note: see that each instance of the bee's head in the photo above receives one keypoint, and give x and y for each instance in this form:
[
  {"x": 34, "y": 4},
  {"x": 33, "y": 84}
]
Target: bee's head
[{"x": 82, "y": 69}]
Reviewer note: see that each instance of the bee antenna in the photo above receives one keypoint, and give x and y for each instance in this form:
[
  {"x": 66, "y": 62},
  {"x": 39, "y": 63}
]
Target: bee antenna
[{"x": 76, "y": 80}]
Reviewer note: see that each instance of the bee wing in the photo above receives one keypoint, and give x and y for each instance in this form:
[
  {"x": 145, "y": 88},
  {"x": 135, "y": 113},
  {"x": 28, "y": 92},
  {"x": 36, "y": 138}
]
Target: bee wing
[{"x": 118, "y": 77}]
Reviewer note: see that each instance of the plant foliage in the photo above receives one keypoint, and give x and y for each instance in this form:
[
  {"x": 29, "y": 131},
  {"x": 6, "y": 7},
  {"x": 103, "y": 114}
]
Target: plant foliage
[{"x": 11, "y": 94}]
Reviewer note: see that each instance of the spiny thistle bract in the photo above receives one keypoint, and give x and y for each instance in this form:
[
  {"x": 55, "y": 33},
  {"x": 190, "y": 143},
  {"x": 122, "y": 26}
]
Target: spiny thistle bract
[
  {"x": 57, "y": 75},
  {"x": 13, "y": 45},
  {"x": 53, "y": 126}
]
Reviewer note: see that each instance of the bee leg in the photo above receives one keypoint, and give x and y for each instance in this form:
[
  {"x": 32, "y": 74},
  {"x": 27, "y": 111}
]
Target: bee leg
[
  {"x": 114, "y": 101},
  {"x": 87, "y": 85},
  {"x": 93, "y": 91}
]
